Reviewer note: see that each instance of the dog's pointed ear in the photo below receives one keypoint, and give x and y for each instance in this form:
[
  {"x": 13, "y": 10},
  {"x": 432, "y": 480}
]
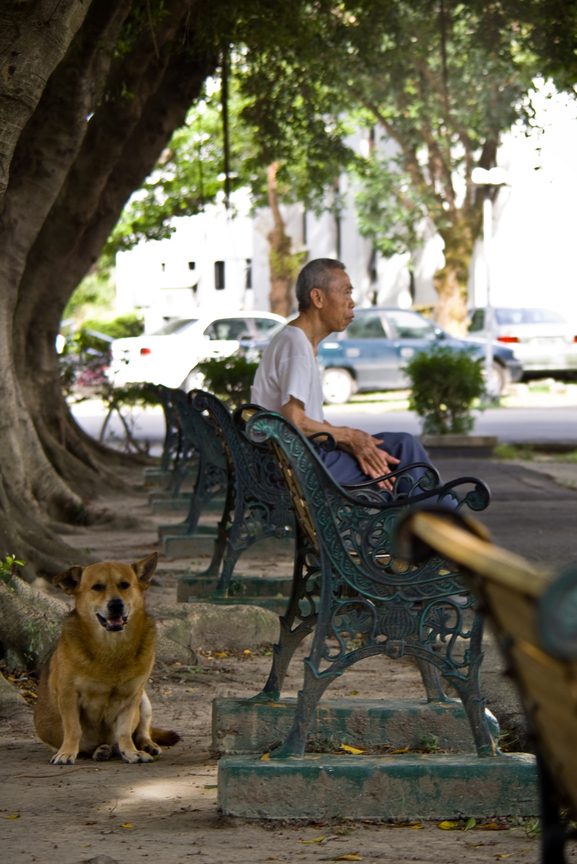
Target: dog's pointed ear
[
  {"x": 70, "y": 579},
  {"x": 145, "y": 569}
]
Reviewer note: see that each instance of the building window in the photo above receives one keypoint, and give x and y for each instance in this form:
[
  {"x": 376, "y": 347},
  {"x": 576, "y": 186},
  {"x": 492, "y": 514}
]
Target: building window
[
  {"x": 248, "y": 280},
  {"x": 192, "y": 265},
  {"x": 219, "y": 275}
]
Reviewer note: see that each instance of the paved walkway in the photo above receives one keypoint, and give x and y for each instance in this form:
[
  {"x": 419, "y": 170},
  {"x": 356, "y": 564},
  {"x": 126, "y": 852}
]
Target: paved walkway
[{"x": 529, "y": 513}]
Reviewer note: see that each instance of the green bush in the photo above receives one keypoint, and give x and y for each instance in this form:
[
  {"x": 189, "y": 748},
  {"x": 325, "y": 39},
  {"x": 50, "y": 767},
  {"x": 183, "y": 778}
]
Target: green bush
[
  {"x": 118, "y": 328},
  {"x": 229, "y": 378},
  {"x": 445, "y": 382}
]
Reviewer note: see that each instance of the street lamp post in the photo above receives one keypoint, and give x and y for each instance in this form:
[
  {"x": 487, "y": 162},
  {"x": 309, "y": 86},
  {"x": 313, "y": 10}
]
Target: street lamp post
[{"x": 488, "y": 179}]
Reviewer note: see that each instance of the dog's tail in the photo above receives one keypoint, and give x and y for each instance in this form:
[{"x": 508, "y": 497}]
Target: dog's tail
[{"x": 164, "y": 738}]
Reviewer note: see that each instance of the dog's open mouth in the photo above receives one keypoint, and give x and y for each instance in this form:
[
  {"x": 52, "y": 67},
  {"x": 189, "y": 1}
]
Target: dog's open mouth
[{"x": 116, "y": 623}]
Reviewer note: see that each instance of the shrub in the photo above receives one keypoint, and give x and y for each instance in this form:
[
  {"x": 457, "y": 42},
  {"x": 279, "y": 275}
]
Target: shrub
[
  {"x": 118, "y": 328},
  {"x": 229, "y": 378},
  {"x": 445, "y": 382}
]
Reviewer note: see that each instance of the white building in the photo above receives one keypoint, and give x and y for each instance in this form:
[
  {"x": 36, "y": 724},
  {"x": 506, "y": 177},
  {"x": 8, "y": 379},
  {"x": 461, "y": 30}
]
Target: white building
[{"x": 219, "y": 261}]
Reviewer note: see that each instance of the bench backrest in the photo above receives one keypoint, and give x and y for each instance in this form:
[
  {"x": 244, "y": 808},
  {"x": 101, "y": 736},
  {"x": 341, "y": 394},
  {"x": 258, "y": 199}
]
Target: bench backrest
[{"x": 352, "y": 529}]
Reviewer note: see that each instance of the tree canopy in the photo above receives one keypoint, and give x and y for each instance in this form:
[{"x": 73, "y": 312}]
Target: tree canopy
[{"x": 91, "y": 95}]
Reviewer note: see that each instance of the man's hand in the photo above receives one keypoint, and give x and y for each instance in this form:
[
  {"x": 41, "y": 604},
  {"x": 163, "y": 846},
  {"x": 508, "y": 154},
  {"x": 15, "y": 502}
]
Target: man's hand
[{"x": 373, "y": 460}]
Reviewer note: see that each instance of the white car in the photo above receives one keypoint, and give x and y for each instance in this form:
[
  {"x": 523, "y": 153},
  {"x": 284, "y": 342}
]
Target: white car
[
  {"x": 168, "y": 356},
  {"x": 541, "y": 340}
]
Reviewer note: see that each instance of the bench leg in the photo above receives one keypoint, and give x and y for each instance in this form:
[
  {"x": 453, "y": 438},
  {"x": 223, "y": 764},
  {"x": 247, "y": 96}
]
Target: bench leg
[
  {"x": 432, "y": 682},
  {"x": 553, "y": 836},
  {"x": 290, "y": 636},
  {"x": 309, "y": 697}
]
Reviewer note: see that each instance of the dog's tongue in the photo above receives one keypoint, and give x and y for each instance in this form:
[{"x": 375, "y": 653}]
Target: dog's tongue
[{"x": 116, "y": 622}]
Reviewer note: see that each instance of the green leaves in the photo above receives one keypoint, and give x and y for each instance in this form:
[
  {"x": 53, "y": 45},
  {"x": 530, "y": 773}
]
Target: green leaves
[
  {"x": 229, "y": 378},
  {"x": 444, "y": 384}
]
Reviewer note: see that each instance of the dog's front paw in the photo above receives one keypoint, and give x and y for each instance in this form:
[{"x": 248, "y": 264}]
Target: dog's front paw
[
  {"x": 133, "y": 756},
  {"x": 63, "y": 758}
]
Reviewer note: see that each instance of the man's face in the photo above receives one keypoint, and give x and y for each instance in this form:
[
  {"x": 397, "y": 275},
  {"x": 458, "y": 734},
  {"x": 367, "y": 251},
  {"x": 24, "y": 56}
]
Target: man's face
[{"x": 338, "y": 302}]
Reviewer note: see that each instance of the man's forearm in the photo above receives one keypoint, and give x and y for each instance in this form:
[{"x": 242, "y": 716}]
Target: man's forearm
[{"x": 294, "y": 411}]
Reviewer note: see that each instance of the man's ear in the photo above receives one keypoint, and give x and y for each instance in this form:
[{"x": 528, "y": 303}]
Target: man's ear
[
  {"x": 145, "y": 569},
  {"x": 70, "y": 579},
  {"x": 317, "y": 296}
]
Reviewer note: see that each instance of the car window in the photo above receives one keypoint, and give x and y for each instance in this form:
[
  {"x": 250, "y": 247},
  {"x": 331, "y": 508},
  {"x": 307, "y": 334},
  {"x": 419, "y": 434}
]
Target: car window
[
  {"x": 477, "y": 321},
  {"x": 410, "y": 325},
  {"x": 227, "y": 329},
  {"x": 528, "y": 316},
  {"x": 175, "y": 327},
  {"x": 366, "y": 327},
  {"x": 265, "y": 325}
]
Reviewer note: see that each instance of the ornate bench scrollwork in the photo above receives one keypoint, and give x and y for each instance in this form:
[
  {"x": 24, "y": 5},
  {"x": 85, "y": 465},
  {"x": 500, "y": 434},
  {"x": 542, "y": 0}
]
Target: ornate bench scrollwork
[{"x": 370, "y": 601}]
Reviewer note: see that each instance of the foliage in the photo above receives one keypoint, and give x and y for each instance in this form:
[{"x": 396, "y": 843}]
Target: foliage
[
  {"x": 435, "y": 85},
  {"x": 94, "y": 295},
  {"x": 119, "y": 328},
  {"x": 229, "y": 378},
  {"x": 444, "y": 385},
  {"x": 8, "y": 568},
  {"x": 190, "y": 173}
]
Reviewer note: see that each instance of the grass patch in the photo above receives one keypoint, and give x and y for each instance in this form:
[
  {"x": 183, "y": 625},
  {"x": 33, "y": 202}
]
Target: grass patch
[{"x": 511, "y": 451}]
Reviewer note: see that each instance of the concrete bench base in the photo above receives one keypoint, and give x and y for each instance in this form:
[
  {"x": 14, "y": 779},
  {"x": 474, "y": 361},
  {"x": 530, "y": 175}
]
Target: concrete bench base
[
  {"x": 243, "y": 726},
  {"x": 181, "y": 503},
  {"x": 183, "y": 547},
  {"x": 243, "y": 587},
  {"x": 400, "y": 788}
]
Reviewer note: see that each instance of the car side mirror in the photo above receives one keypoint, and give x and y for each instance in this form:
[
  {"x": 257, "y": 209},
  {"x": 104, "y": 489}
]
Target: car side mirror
[{"x": 440, "y": 334}]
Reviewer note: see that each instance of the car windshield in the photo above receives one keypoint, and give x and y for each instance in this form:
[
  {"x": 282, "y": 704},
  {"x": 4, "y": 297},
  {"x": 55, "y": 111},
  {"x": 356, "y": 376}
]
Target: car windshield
[
  {"x": 366, "y": 327},
  {"x": 175, "y": 327},
  {"x": 410, "y": 325},
  {"x": 527, "y": 316}
]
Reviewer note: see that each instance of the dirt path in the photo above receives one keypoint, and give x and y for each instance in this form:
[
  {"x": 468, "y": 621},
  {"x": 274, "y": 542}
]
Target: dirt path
[{"x": 166, "y": 812}]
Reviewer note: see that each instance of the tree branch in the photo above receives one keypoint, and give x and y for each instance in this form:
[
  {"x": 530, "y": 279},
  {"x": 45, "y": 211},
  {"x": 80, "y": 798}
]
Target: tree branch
[{"x": 408, "y": 151}]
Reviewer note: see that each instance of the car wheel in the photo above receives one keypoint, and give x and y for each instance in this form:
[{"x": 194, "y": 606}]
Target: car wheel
[
  {"x": 338, "y": 386},
  {"x": 502, "y": 377}
]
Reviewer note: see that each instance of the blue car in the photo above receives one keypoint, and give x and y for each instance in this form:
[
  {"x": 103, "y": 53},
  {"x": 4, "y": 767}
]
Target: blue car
[{"x": 374, "y": 349}]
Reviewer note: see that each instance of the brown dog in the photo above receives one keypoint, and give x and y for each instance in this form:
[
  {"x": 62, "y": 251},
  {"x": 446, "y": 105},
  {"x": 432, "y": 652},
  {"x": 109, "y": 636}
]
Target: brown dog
[{"x": 91, "y": 696}]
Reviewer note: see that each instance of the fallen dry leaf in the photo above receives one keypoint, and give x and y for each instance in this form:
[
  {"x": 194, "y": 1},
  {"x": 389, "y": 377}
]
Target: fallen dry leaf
[
  {"x": 12, "y": 816},
  {"x": 316, "y": 840},
  {"x": 448, "y": 826},
  {"x": 404, "y": 750},
  {"x": 354, "y": 750},
  {"x": 508, "y": 855},
  {"x": 353, "y": 857},
  {"x": 127, "y": 825},
  {"x": 265, "y": 757}
]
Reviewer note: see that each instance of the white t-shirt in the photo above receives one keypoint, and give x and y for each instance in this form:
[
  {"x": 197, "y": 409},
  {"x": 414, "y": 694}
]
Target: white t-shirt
[{"x": 289, "y": 368}]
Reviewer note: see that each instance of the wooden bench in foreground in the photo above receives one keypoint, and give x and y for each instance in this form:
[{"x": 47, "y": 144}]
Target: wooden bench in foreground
[{"x": 534, "y": 615}]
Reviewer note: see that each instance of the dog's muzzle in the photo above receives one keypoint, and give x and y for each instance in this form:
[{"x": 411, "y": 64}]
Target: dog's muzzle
[{"x": 115, "y": 618}]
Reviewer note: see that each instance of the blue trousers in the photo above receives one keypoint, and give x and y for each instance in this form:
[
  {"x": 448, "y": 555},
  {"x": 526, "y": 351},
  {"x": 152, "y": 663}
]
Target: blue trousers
[
  {"x": 345, "y": 468},
  {"x": 403, "y": 446}
]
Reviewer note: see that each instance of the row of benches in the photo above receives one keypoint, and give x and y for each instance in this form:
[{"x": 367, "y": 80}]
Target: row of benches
[
  {"x": 388, "y": 578},
  {"x": 348, "y": 586}
]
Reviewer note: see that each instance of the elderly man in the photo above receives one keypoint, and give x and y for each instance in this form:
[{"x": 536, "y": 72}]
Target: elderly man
[{"x": 288, "y": 380}]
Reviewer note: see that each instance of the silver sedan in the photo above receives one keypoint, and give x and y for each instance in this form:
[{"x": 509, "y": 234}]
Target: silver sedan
[{"x": 542, "y": 340}]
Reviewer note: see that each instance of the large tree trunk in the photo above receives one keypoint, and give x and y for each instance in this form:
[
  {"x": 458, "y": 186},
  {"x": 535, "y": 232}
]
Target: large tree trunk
[
  {"x": 451, "y": 281},
  {"x": 34, "y": 36},
  {"x": 281, "y": 259},
  {"x": 69, "y": 180}
]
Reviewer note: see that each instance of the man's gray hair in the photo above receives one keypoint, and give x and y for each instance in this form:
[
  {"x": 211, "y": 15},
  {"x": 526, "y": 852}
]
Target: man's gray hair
[{"x": 316, "y": 274}]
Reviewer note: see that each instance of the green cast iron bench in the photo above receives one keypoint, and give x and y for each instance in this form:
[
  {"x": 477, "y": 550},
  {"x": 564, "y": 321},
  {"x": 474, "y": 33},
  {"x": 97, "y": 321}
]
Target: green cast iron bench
[{"x": 362, "y": 599}]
